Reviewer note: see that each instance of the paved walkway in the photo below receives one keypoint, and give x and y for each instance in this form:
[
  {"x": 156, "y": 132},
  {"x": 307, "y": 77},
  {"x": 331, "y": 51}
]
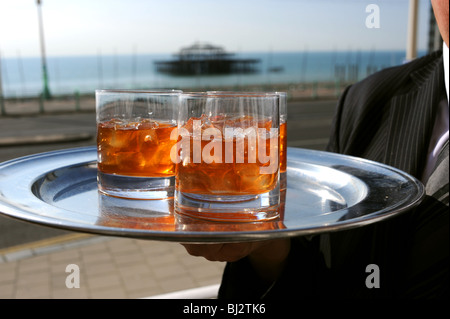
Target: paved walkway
[{"x": 108, "y": 267}]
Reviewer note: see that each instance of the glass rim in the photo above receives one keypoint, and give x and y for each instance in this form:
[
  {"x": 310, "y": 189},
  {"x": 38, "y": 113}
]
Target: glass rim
[
  {"x": 137, "y": 91},
  {"x": 229, "y": 94},
  {"x": 252, "y": 93},
  {"x": 193, "y": 94}
]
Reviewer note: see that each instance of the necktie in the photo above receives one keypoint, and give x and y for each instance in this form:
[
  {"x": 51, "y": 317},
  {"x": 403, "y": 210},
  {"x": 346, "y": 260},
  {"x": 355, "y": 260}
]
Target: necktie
[{"x": 437, "y": 184}]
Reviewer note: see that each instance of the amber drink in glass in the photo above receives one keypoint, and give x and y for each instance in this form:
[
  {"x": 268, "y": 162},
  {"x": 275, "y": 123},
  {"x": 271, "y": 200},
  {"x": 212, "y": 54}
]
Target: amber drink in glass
[{"x": 133, "y": 142}]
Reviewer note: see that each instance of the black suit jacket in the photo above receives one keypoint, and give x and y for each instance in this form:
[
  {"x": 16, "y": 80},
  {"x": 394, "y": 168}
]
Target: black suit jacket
[{"x": 388, "y": 118}]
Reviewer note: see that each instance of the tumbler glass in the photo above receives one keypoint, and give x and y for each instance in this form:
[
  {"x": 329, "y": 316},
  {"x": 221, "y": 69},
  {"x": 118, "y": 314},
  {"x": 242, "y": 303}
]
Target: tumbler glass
[
  {"x": 133, "y": 142},
  {"x": 227, "y": 156}
]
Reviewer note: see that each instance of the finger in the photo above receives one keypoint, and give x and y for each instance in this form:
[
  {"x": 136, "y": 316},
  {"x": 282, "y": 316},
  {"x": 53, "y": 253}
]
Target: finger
[
  {"x": 230, "y": 252},
  {"x": 234, "y": 252},
  {"x": 208, "y": 251}
]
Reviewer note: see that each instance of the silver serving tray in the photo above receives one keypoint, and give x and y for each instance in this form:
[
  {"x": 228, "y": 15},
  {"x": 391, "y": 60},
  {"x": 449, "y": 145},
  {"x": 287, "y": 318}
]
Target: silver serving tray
[{"x": 325, "y": 192}]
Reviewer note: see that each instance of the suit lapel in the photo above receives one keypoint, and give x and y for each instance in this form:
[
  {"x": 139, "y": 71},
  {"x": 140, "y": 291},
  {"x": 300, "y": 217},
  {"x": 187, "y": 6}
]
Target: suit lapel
[{"x": 411, "y": 118}]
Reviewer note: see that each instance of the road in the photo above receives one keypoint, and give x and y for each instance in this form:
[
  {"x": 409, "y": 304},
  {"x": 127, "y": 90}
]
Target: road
[{"x": 308, "y": 127}]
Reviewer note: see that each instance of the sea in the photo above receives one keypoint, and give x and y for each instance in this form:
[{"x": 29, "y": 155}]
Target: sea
[{"x": 23, "y": 76}]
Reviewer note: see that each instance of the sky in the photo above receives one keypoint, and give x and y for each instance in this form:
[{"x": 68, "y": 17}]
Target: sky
[{"x": 87, "y": 27}]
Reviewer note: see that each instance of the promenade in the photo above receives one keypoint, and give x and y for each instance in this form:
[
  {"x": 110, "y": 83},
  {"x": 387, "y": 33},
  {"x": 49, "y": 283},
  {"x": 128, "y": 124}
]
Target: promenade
[{"x": 83, "y": 103}]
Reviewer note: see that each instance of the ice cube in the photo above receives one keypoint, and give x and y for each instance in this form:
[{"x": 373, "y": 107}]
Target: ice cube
[
  {"x": 148, "y": 124},
  {"x": 189, "y": 125},
  {"x": 151, "y": 137},
  {"x": 117, "y": 138}
]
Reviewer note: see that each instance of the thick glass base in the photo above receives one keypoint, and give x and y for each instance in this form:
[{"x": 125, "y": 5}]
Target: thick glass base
[
  {"x": 240, "y": 208},
  {"x": 135, "y": 187}
]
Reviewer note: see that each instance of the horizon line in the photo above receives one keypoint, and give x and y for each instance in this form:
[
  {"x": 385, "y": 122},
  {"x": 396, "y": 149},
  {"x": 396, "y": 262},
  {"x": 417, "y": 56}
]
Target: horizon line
[{"x": 419, "y": 51}]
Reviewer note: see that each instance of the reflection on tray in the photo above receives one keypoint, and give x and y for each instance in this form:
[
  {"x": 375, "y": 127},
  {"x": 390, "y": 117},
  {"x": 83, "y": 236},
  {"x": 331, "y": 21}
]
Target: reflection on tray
[
  {"x": 158, "y": 215},
  {"x": 154, "y": 215}
]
